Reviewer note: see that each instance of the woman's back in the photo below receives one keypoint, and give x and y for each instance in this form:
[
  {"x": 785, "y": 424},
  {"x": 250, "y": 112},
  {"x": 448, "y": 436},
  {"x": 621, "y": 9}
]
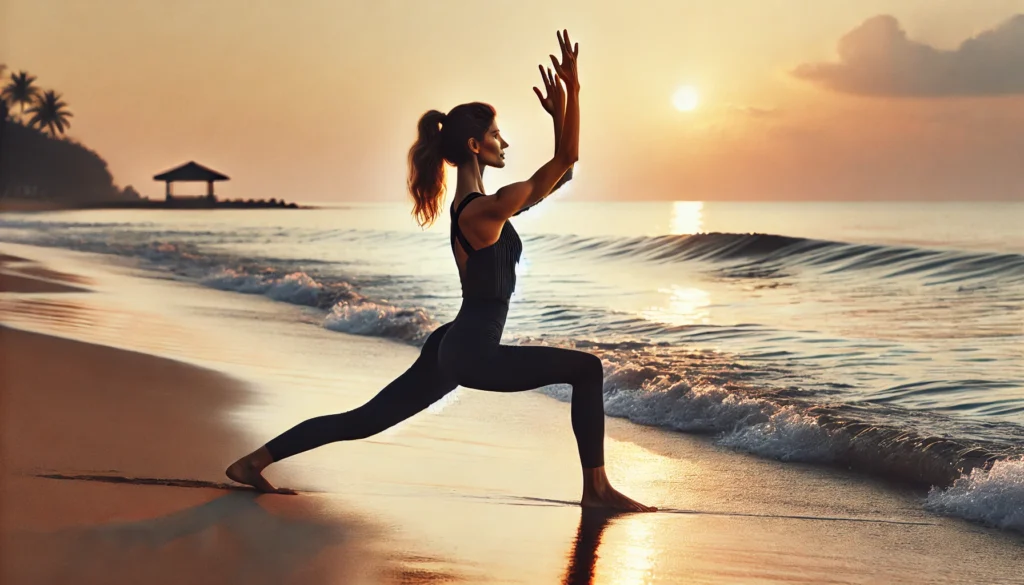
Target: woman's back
[{"x": 488, "y": 272}]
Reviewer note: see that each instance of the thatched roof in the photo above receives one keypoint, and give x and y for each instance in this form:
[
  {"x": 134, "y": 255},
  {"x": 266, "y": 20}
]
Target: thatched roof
[{"x": 190, "y": 171}]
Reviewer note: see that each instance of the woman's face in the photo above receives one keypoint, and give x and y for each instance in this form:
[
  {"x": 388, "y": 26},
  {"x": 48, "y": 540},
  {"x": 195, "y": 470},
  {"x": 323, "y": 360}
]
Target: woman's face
[{"x": 492, "y": 147}]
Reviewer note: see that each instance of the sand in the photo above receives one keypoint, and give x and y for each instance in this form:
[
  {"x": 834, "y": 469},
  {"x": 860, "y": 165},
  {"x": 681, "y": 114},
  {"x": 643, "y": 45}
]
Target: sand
[
  {"x": 20, "y": 275},
  {"x": 113, "y": 461},
  {"x": 115, "y": 415}
]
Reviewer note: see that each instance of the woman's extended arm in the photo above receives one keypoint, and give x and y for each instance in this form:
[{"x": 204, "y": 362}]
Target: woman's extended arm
[
  {"x": 553, "y": 102},
  {"x": 515, "y": 197}
]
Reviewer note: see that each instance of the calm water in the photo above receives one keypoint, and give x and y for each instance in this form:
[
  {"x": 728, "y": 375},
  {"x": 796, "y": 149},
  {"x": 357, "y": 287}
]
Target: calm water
[{"x": 888, "y": 336}]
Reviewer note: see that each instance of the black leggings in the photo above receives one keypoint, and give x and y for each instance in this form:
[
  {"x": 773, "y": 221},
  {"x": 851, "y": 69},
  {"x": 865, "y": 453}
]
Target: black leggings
[{"x": 467, "y": 352}]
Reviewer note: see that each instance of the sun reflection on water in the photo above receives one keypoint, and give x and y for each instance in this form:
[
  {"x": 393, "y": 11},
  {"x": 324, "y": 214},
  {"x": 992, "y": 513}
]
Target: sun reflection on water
[
  {"x": 685, "y": 305},
  {"x": 632, "y": 562},
  {"x": 687, "y": 217}
]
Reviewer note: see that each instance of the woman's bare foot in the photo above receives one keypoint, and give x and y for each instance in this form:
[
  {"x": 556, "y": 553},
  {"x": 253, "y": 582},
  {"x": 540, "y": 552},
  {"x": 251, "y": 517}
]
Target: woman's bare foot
[
  {"x": 598, "y": 493},
  {"x": 249, "y": 471}
]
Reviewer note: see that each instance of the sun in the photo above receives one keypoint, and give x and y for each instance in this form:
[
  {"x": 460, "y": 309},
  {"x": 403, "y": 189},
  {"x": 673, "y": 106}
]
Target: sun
[{"x": 686, "y": 99}]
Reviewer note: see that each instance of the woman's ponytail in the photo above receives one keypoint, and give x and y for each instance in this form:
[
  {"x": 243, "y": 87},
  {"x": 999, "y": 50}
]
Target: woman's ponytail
[{"x": 426, "y": 169}]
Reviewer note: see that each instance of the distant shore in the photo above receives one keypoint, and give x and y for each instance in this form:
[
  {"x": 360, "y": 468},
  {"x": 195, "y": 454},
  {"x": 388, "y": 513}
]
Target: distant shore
[{"x": 16, "y": 204}]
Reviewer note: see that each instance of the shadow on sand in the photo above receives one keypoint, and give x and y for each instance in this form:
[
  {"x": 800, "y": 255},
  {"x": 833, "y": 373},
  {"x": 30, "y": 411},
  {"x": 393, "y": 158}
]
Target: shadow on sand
[{"x": 240, "y": 537}]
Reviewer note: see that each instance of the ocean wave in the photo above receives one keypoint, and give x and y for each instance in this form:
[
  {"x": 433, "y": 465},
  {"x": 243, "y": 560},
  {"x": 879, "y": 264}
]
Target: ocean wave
[
  {"x": 709, "y": 394},
  {"x": 734, "y": 255},
  {"x": 297, "y": 287},
  {"x": 787, "y": 435},
  {"x": 768, "y": 255},
  {"x": 759, "y": 255},
  {"x": 369, "y": 318},
  {"x": 993, "y": 496},
  {"x": 348, "y": 311}
]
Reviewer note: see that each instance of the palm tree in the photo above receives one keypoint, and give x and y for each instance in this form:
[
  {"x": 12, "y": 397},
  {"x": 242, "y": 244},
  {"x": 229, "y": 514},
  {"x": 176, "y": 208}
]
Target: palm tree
[
  {"x": 20, "y": 90},
  {"x": 3, "y": 103},
  {"x": 50, "y": 113}
]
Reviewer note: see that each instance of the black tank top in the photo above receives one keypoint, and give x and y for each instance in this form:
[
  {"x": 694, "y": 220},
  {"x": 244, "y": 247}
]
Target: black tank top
[{"x": 490, "y": 271}]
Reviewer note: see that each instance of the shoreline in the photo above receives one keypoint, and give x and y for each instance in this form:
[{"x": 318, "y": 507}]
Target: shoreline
[{"x": 484, "y": 486}]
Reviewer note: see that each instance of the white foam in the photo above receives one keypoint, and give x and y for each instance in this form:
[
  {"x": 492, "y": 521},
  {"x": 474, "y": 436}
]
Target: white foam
[
  {"x": 352, "y": 315},
  {"x": 369, "y": 318},
  {"x": 698, "y": 409},
  {"x": 297, "y": 288},
  {"x": 994, "y": 496},
  {"x": 646, "y": 396},
  {"x": 787, "y": 435}
]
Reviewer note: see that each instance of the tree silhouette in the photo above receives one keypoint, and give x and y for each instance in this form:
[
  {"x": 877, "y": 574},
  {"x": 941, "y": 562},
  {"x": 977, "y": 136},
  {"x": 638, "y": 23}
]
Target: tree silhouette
[
  {"x": 3, "y": 100},
  {"x": 4, "y": 112},
  {"x": 50, "y": 113},
  {"x": 3, "y": 126},
  {"x": 20, "y": 90}
]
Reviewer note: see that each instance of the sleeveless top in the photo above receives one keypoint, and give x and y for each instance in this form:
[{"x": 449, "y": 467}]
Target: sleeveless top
[{"x": 490, "y": 271}]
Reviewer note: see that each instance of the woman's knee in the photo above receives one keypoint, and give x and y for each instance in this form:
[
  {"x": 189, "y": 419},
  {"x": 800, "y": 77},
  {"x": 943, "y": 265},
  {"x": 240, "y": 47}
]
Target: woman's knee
[{"x": 590, "y": 368}]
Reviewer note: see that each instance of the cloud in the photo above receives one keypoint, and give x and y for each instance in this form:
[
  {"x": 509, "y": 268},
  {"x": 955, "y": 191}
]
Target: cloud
[
  {"x": 755, "y": 111},
  {"x": 878, "y": 59}
]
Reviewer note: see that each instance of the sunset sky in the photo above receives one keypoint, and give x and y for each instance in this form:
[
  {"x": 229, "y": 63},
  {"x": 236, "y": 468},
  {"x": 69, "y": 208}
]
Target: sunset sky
[{"x": 317, "y": 100}]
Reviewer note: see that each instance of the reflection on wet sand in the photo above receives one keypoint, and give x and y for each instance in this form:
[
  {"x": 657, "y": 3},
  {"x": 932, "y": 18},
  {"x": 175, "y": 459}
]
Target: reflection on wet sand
[{"x": 583, "y": 557}]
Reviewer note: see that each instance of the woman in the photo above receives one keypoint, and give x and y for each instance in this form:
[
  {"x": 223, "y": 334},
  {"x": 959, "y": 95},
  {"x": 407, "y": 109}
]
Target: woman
[{"x": 467, "y": 351}]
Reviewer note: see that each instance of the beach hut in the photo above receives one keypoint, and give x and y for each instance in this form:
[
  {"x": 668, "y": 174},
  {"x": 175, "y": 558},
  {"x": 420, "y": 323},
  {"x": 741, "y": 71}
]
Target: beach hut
[{"x": 190, "y": 171}]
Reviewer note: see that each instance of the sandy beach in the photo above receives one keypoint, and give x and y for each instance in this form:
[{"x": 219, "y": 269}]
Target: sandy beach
[{"x": 125, "y": 397}]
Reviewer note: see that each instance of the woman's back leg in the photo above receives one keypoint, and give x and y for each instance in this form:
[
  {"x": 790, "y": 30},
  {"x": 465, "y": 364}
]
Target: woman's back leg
[{"x": 413, "y": 391}]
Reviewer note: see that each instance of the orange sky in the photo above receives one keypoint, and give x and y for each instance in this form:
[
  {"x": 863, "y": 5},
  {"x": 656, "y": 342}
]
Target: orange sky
[{"x": 317, "y": 100}]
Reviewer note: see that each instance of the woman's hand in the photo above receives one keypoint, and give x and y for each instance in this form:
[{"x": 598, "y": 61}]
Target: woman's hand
[
  {"x": 566, "y": 70},
  {"x": 553, "y": 100}
]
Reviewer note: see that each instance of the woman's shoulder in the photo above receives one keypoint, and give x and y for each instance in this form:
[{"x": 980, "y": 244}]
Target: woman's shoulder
[{"x": 460, "y": 202}]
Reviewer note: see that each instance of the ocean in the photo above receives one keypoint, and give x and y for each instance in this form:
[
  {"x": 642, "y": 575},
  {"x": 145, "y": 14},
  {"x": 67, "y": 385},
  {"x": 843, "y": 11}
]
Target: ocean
[{"x": 884, "y": 337}]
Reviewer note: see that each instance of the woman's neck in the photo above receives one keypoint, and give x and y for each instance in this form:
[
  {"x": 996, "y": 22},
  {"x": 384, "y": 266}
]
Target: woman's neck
[{"x": 470, "y": 178}]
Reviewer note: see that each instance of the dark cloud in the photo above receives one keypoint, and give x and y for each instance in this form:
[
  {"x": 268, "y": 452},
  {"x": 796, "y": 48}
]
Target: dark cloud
[{"x": 877, "y": 58}]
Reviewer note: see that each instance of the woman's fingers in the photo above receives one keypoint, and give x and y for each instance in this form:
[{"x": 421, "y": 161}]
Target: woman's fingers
[
  {"x": 554, "y": 63},
  {"x": 569, "y": 49},
  {"x": 549, "y": 78},
  {"x": 566, "y": 48}
]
